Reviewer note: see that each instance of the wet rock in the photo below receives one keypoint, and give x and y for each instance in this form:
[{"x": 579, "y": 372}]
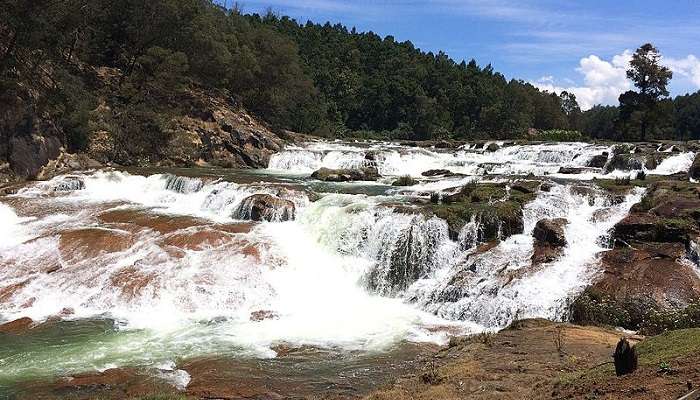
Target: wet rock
[
  {"x": 598, "y": 161},
  {"x": 549, "y": 240},
  {"x": 694, "y": 171},
  {"x": 183, "y": 184},
  {"x": 570, "y": 170},
  {"x": 69, "y": 184},
  {"x": 265, "y": 207},
  {"x": 492, "y": 147},
  {"x": 159, "y": 223},
  {"x": 623, "y": 162},
  {"x": 132, "y": 281},
  {"x": 17, "y": 327},
  {"x": 437, "y": 172},
  {"x": 405, "y": 181},
  {"x": 527, "y": 187},
  {"x": 346, "y": 175},
  {"x": 625, "y": 358},
  {"x": 197, "y": 240},
  {"x": 262, "y": 315},
  {"x": 79, "y": 244},
  {"x": 550, "y": 232}
]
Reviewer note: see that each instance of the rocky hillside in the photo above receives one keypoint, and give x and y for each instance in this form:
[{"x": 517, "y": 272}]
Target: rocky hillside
[{"x": 211, "y": 130}]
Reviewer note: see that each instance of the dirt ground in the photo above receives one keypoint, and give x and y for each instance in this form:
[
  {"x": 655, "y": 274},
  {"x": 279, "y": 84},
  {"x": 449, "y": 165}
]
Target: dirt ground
[{"x": 543, "y": 360}]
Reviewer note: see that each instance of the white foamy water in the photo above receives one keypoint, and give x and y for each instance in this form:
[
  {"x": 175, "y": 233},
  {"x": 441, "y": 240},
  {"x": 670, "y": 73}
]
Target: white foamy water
[
  {"x": 393, "y": 160},
  {"x": 672, "y": 165},
  {"x": 168, "y": 260},
  {"x": 495, "y": 287}
]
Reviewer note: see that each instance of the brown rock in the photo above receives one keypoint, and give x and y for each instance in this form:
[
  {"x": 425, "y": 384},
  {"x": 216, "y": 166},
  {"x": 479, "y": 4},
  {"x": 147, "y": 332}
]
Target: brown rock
[
  {"x": 265, "y": 207},
  {"x": 262, "y": 315},
  {"x": 550, "y": 232},
  {"x": 17, "y": 327},
  {"x": 346, "y": 175}
]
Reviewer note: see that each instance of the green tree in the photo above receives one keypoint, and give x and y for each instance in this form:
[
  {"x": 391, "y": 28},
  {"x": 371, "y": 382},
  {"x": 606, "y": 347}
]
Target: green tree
[{"x": 651, "y": 80}]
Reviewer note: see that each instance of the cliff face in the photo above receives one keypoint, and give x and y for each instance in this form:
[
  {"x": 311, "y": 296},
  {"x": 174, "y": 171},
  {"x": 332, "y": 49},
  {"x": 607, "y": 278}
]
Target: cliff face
[
  {"x": 28, "y": 139},
  {"x": 217, "y": 132}
]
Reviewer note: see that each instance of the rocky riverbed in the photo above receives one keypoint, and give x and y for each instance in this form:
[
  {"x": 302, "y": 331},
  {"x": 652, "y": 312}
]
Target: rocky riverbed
[{"x": 343, "y": 266}]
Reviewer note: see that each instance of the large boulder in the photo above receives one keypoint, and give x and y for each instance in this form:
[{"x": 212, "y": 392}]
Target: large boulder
[
  {"x": 694, "y": 171},
  {"x": 637, "y": 285},
  {"x": 550, "y": 232},
  {"x": 492, "y": 147},
  {"x": 69, "y": 184},
  {"x": 550, "y": 240},
  {"x": 265, "y": 207},
  {"x": 598, "y": 161},
  {"x": 346, "y": 175}
]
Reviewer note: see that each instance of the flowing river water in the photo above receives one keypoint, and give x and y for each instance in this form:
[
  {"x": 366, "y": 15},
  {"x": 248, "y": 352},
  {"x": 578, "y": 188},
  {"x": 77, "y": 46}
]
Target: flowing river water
[{"x": 156, "y": 270}]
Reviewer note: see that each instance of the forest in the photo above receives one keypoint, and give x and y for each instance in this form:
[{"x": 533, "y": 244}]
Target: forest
[{"x": 322, "y": 79}]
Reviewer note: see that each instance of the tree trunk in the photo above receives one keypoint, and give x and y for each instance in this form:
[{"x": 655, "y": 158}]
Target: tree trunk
[{"x": 625, "y": 358}]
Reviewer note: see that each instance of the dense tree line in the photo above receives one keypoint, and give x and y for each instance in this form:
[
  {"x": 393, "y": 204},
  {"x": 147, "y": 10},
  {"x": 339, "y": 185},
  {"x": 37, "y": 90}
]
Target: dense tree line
[
  {"x": 678, "y": 119},
  {"x": 370, "y": 83},
  {"x": 139, "y": 58}
]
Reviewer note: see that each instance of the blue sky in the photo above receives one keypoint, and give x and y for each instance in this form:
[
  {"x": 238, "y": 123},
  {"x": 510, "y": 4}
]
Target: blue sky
[{"x": 582, "y": 46}]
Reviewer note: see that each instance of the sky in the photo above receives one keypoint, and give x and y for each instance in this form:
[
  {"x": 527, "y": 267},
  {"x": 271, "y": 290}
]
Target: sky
[{"x": 579, "y": 46}]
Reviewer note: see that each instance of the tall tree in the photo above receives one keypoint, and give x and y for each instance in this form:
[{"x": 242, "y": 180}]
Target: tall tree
[{"x": 651, "y": 78}]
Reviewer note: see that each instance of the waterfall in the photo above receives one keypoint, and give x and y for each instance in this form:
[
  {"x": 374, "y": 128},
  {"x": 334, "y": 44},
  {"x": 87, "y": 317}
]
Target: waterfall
[
  {"x": 183, "y": 267},
  {"x": 497, "y": 286}
]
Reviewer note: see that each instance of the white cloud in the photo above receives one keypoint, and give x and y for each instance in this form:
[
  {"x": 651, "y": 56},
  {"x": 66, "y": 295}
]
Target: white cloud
[
  {"x": 688, "y": 67},
  {"x": 604, "y": 81}
]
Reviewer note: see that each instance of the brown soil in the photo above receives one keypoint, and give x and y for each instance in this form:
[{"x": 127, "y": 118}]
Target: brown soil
[
  {"x": 524, "y": 362},
  {"x": 520, "y": 363}
]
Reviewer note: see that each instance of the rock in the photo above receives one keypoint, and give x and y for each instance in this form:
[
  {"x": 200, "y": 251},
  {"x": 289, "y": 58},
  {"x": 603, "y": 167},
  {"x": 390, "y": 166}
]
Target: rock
[
  {"x": 70, "y": 183},
  {"x": 443, "y": 145},
  {"x": 265, "y": 207},
  {"x": 405, "y": 181},
  {"x": 598, "y": 161},
  {"x": 694, "y": 171},
  {"x": 262, "y": 315},
  {"x": 525, "y": 187},
  {"x": 346, "y": 175},
  {"x": 625, "y": 358},
  {"x": 17, "y": 327},
  {"x": 550, "y": 232},
  {"x": 550, "y": 240},
  {"x": 648, "y": 227},
  {"x": 624, "y": 162},
  {"x": 437, "y": 172},
  {"x": 492, "y": 147},
  {"x": 570, "y": 170}
]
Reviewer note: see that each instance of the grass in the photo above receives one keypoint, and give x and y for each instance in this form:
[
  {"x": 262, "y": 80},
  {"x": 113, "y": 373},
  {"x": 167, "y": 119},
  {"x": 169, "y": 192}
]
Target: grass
[{"x": 667, "y": 346}]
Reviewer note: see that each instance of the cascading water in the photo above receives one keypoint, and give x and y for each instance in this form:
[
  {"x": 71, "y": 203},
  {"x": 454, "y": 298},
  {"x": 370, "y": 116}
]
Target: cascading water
[{"x": 160, "y": 268}]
